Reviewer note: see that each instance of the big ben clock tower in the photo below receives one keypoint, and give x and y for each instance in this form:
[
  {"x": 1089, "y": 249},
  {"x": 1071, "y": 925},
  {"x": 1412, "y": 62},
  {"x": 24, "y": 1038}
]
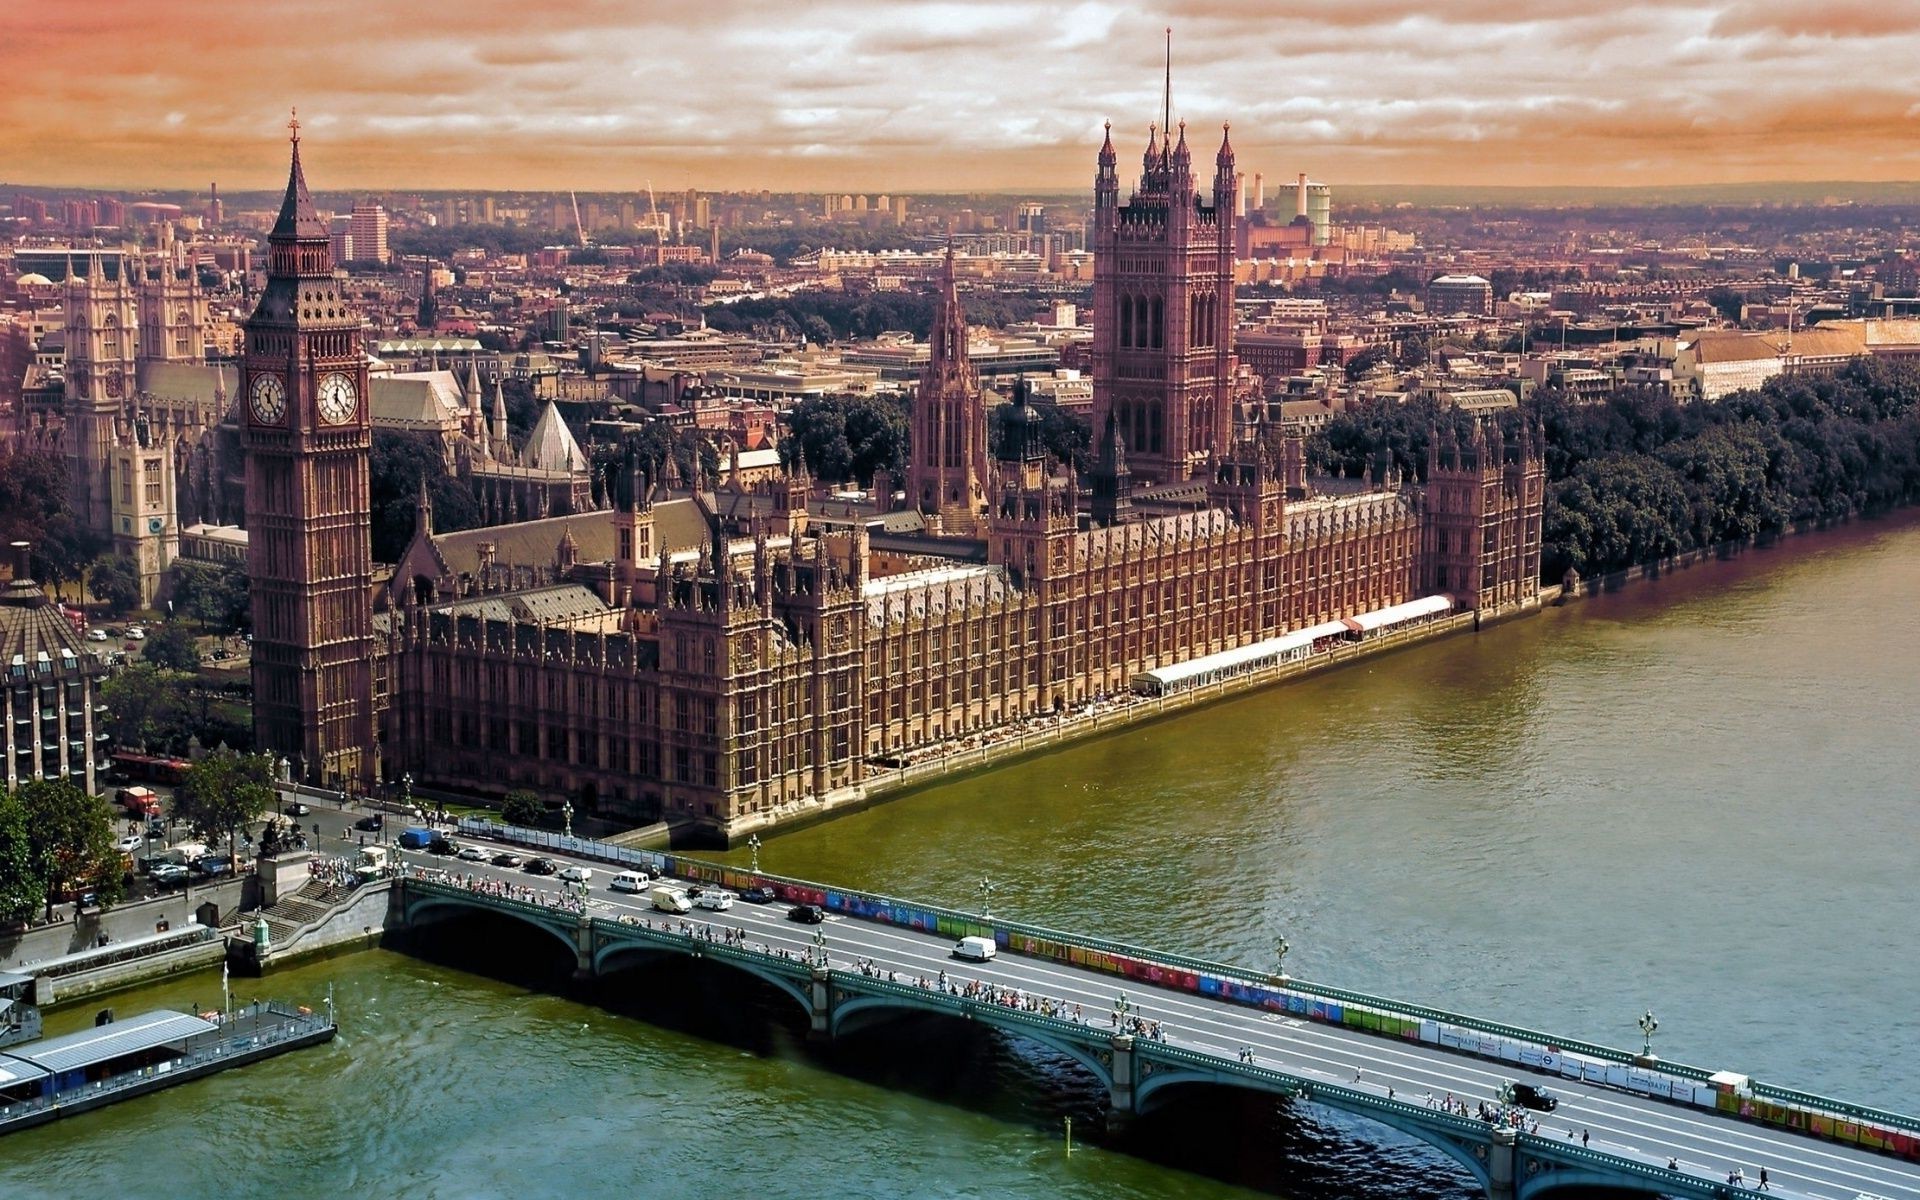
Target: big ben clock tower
[{"x": 308, "y": 432}]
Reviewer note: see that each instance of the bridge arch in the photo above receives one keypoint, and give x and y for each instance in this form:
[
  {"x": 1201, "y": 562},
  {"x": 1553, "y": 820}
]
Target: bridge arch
[
  {"x": 852, "y": 1013},
  {"x": 608, "y": 957},
  {"x": 1162, "y": 1085},
  {"x": 1529, "y": 1184},
  {"x": 417, "y": 910}
]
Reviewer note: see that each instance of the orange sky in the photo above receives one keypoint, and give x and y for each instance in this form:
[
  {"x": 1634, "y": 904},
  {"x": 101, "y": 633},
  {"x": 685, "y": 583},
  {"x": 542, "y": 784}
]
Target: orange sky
[{"x": 924, "y": 95}]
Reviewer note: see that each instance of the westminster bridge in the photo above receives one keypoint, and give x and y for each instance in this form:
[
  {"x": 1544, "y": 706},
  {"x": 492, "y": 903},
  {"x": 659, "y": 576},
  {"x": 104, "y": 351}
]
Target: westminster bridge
[{"x": 1150, "y": 1026}]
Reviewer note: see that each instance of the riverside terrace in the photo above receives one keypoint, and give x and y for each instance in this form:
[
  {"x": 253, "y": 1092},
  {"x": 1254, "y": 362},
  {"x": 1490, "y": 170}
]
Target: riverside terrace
[{"x": 1169, "y": 1023}]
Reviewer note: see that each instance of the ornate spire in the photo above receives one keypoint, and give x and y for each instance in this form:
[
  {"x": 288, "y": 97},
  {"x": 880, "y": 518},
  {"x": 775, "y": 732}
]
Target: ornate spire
[
  {"x": 1224, "y": 159},
  {"x": 297, "y": 220},
  {"x": 1107, "y": 156}
]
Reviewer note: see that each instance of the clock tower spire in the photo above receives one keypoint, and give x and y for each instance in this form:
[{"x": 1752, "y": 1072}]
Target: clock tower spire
[{"x": 308, "y": 433}]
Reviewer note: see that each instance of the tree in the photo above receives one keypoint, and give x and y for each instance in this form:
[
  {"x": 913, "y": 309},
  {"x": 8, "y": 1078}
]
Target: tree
[
  {"x": 146, "y": 707},
  {"x": 397, "y": 464},
  {"x": 171, "y": 647},
  {"x": 522, "y": 807},
  {"x": 70, "y": 840},
  {"x": 115, "y": 580},
  {"x": 847, "y": 438},
  {"x": 214, "y": 594},
  {"x": 21, "y": 887},
  {"x": 1362, "y": 364},
  {"x": 223, "y": 792}
]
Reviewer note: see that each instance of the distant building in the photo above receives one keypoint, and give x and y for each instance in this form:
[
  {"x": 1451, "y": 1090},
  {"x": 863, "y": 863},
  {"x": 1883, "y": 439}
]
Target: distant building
[
  {"x": 1449, "y": 294},
  {"x": 368, "y": 229}
]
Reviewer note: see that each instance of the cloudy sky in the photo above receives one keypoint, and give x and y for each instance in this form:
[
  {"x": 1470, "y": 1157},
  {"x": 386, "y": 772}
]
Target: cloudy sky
[{"x": 937, "y": 95}]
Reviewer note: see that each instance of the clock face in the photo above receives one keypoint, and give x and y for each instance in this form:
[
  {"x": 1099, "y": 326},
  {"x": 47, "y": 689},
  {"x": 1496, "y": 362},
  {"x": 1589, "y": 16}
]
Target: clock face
[
  {"x": 269, "y": 397},
  {"x": 155, "y": 524},
  {"x": 336, "y": 399}
]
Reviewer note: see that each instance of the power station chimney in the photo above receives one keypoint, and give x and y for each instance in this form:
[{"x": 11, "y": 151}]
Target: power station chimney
[
  {"x": 1300, "y": 197},
  {"x": 1240, "y": 194},
  {"x": 1259, "y": 201}
]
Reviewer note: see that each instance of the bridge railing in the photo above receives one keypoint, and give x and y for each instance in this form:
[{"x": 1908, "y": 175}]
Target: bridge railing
[
  {"x": 1002, "y": 1014},
  {"x": 1660, "y": 1180}
]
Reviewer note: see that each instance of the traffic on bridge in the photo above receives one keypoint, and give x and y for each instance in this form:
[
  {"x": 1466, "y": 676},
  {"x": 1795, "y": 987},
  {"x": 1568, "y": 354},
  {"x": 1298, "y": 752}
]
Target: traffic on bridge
[{"x": 1521, "y": 1128}]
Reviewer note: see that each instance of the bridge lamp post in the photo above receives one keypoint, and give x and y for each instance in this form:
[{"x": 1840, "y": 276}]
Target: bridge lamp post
[
  {"x": 1121, "y": 1008},
  {"x": 820, "y": 947},
  {"x": 1280, "y": 959},
  {"x": 1649, "y": 1025},
  {"x": 753, "y": 848},
  {"x": 986, "y": 904}
]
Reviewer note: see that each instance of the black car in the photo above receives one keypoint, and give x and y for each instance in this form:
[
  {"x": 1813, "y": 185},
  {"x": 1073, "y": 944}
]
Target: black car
[
  {"x": 541, "y": 866},
  {"x": 758, "y": 895},
  {"x": 506, "y": 859},
  {"x": 1528, "y": 1096},
  {"x": 297, "y": 809},
  {"x": 371, "y": 823},
  {"x": 806, "y": 914},
  {"x": 440, "y": 845}
]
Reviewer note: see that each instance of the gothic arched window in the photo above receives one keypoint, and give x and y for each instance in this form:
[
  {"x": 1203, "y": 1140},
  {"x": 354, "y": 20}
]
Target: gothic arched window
[
  {"x": 110, "y": 338},
  {"x": 1126, "y": 322},
  {"x": 1159, "y": 325}
]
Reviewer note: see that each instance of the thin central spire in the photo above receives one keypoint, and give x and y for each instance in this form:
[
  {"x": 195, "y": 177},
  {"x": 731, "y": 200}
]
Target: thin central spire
[{"x": 1166, "y": 95}]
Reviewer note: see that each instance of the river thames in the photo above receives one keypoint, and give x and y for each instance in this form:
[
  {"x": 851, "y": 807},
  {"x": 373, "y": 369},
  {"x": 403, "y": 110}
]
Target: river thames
[{"x": 1696, "y": 795}]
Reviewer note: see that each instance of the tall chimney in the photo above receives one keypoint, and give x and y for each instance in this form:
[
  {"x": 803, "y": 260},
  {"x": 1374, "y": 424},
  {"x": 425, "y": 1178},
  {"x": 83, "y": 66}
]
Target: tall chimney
[
  {"x": 1300, "y": 197},
  {"x": 1259, "y": 200},
  {"x": 1239, "y": 193}
]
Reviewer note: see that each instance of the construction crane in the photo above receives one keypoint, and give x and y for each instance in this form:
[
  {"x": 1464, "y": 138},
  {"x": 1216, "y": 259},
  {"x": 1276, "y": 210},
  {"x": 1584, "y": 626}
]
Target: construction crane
[
  {"x": 653, "y": 209},
  {"x": 578, "y": 226}
]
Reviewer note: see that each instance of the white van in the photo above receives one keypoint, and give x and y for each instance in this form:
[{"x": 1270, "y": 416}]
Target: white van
[
  {"x": 188, "y": 853},
  {"x": 671, "y": 900},
  {"x": 718, "y": 899},
  {"x": 630, "y": 881},
  {"x": 975, "y": 949}
]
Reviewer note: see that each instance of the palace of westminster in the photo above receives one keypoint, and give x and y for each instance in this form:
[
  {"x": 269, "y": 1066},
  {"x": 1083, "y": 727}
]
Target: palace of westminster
[{"x": 724, "y": 658}]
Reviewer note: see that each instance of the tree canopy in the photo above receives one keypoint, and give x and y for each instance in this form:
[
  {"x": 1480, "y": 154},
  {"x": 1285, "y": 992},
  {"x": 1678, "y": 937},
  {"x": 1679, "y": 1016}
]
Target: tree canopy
[
  {"x": 399, "y": 461},
  {"x": 70, "y": 841},
  {"x": 171, "y": 647},
  {"x": 114, "y": 579},
  {"x": 214, "y": 594},
  {"x": 224, "y": 791},
  {"x": 847, "y": 438}
]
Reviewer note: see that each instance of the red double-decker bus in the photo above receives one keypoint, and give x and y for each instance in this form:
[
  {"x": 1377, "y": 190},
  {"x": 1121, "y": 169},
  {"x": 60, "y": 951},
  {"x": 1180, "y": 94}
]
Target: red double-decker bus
[{"x": 151, "y": 768}]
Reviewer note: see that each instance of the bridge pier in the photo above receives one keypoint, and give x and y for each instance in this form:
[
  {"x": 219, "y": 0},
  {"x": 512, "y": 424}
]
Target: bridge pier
[
  {"x": 1500, "y": 1164},
  {"x": 819, "y": 1007},
  {"x": 1120, "y": 1107},
  {"x": 583, "y": 950}
]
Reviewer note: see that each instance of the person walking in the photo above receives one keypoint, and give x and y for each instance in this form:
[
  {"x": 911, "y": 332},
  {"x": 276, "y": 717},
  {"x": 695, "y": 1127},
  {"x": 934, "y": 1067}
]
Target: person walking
[
  {"x": 1763, "y": 1180},
  {"x": 1583, "y": 1139}
]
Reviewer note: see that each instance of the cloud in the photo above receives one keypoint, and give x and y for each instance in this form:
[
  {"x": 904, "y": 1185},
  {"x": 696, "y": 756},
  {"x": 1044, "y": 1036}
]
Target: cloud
[{"x": 897, "y": 94}]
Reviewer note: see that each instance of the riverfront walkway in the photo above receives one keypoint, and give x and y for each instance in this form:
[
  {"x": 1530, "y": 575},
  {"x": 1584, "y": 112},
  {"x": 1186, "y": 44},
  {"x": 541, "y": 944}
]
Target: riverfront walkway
[{"x": 1151, "y": 1026}]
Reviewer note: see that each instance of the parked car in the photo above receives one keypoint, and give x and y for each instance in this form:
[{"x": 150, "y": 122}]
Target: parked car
[
  {"x": 571, "y": 874},
  {"x": 440, "y": 845},
  {"x": 541, "y": 866},
  {"x": 167, "y": 874},
  {"x": 130, "y": 843},
  {"x": 136, "y": 633},
  {"x": 807, "y": 914},
  {"x": 472, "y": 854},
  {"x": 506, "y": 858},
  {"x": 370, "y": 823},
  {"x": 96, "y": 635},
  {"x": 1528, "y": 1096},
  {"x": 759, "y": 895}
]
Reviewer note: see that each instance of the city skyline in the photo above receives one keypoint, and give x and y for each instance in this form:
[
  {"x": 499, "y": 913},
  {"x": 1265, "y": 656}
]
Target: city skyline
[{"x": 610, "y": 96}]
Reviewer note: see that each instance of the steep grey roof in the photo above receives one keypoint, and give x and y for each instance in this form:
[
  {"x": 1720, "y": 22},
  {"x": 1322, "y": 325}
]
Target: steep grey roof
[
  {"x": 557, "y": 604},
  {"x": 551, "y": 446}
]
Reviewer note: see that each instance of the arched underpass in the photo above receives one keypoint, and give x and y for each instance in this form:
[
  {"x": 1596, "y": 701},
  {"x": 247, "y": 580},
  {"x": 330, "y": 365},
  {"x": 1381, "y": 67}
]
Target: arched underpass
[{"x": 1300, "y": 1150}]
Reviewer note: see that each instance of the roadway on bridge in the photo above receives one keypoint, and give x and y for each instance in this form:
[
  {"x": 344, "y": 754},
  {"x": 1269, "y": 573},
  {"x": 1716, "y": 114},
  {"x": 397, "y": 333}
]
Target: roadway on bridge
[{"x": 1706, "y": 1145}]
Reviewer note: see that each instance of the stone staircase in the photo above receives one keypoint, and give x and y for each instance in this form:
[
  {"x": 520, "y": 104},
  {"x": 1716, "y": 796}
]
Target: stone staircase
[{"x": 304, "y": 907}]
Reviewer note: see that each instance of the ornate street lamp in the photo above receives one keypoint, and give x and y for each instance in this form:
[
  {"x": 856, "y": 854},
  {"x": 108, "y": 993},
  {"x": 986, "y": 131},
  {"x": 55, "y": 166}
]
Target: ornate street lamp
[
  {"x": 1280, "y": 956},
  {"x": 1649, "y": 1025},
  {"x": 986, "y": 904},
  {"x": 566, "y": 811},
  {"x": 820, "y": 947},
  {"x": 753, "y": 848}
]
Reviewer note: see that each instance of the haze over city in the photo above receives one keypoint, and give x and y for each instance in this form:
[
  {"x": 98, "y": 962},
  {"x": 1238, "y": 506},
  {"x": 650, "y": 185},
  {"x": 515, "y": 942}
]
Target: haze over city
[{"x": 749, "y": 93}]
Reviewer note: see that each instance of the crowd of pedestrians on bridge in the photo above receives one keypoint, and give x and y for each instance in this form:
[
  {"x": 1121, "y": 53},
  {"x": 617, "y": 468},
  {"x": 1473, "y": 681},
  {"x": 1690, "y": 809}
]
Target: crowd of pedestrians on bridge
[{"x": 504, "y": 889}]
